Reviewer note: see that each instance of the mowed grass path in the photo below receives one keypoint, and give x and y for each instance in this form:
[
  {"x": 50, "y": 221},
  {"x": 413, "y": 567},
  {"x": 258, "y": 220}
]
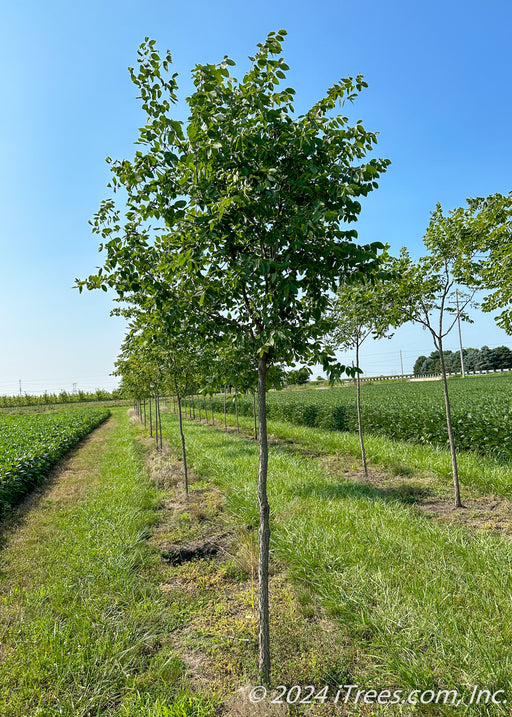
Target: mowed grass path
[
  {"x": 424, "y": 605},
  {"x": 83, "y": 625},
  {"x": 482, "y": 474}
]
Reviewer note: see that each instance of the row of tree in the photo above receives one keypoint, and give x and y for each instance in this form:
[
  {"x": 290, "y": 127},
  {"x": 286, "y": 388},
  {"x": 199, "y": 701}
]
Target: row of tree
[
  {"x": 233, "y": 252},
  {"x": 47, "y": 399},
  {"x": 484, "y": 359}
]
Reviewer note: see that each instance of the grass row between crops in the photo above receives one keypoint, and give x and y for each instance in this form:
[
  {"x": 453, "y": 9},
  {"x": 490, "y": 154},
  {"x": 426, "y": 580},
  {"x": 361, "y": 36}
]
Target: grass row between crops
[
  {"x": 424, "y": 605},
  {"x": 30, "y": 445},
  {"x": 482, "y": 474},
  {"x": 84, "y": 628}
]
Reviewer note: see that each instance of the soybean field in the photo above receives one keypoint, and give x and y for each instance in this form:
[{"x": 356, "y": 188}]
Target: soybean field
[{"x": 30, "y": 444}]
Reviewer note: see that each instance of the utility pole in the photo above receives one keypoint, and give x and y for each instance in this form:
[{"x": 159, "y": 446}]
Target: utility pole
[
  {"x": 20, "y": 387},
  {"x": 402, "y": 363},
  {"x": 460, "y": 335}
]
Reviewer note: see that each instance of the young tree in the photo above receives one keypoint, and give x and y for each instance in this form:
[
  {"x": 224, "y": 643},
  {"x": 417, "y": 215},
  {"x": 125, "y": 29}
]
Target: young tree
[
  {"x": 256, "y": 204},
  {"x": 363, "y": 309},
  {"x": 427, "y": 288}
]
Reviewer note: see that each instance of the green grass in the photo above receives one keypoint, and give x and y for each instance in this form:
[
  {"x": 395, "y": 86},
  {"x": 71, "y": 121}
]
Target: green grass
[
  {"x": 482, "y": 474},
  {"x": 424, "y": 605},
  {"x": 84, "y": 627}
]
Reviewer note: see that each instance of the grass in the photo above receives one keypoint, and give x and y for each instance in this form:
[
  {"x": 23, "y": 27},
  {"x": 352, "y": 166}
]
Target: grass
[
  {"x": 422, "y": 605},
  {"x": 483, "y": 475},
  {"x": 84, "y": 627},
  {"x": 94, "y": 622},
  {"x": 219, "y": 638}
]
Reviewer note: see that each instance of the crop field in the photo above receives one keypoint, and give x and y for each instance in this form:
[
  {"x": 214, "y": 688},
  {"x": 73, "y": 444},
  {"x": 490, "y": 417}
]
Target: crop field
[
  {"x": 412, "y": 411},
  {"x": 31, "y": 444}
]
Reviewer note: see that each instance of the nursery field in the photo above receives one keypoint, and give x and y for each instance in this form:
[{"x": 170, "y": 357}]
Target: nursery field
[
  {"x": 412, "y": 411},
  {"x": 99, "y": 617},
  {"x": 30, "y": 444}
]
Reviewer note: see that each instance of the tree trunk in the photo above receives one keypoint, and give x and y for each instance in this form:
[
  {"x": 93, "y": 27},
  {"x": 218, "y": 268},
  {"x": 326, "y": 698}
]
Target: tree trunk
[
  {"x": 359, "y": 421},
  {"x": 150, "y": 418},
  {"x": 236, "y": 411},
  {"x": 211, "y": 407},
  {"x": 205, "y": 409},
  {"x": 225, "y": 419},
  {"x": 145, "y": 413},
  {"x": 183, "y": 450},
  {"x": 157, "y": 416},
  {"x": 264, "y": 530},
  {"x": 255, "y": 416},
  {"x": 455, "y": 470},
  {"x": 160, "y": 422}
]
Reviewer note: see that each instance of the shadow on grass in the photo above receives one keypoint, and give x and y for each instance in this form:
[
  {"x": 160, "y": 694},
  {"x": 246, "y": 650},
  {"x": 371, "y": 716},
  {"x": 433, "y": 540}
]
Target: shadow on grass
[{"x": 407, "y": 494}]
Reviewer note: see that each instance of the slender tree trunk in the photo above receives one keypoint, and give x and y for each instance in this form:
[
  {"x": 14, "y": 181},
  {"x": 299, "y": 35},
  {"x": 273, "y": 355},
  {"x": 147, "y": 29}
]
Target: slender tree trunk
[
  {"x": 193, "y": 407},
  {"x": 158, "y": 420},
  {"x": 455, "y": 470},
  {"x": 225, "y": 419},
  {"x": 211, "y": 407},
  {"x": 145, "y": 424},
  {"x": 160, "y": 423},
  {"x": 264, "y": 530},
  {"x": 157, "y": 416},
  {"x": 254, "y": 413},
  {"x": 183, "y": 450},
  {"x": 150, "y": 418},
  {"x": 236, "y": 411},
  {"x": 359, "y": 421},
  {"x": 205, "y": 409}
]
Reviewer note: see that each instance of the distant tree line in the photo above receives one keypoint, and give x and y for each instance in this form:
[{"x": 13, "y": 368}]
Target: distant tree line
[
  {"x": 47, "y": 399},
  {"x": 484, "y": 359}
]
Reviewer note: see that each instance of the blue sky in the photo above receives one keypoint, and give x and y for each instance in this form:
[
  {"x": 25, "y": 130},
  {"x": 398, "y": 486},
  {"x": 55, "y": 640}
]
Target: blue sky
[{"x": 439, "y": 95}]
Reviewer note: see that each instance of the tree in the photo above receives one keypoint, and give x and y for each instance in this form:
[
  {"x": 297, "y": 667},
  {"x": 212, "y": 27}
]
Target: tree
[
  {"x": 256, "y": 205},
  {"x": 363, "y": 309},
  {"x": 486, "y": 360},
  {"x": 298, "y": 377},
  {"x": 503, "y": 357},
  {"x": 496, "y": 267},
  {"x": 419, "y": 366},
  {"x": 427, "y": 287},
  {"x": 166, "y": 343}
]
